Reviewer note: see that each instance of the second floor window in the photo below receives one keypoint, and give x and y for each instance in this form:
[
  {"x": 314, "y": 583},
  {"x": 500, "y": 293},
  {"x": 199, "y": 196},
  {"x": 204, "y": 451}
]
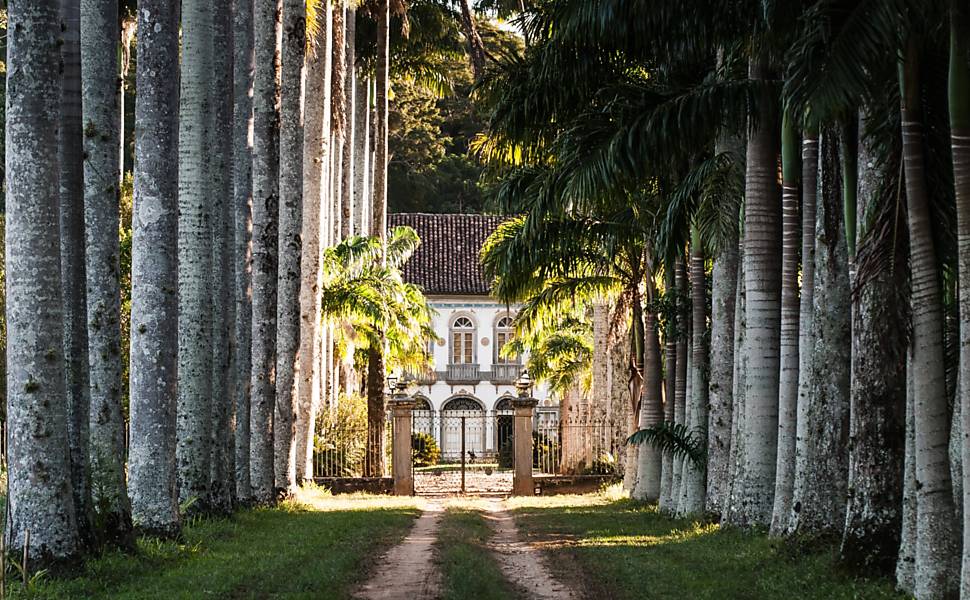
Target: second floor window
[
  {"x": 462, "y": 341},
  {"x": 503, "y": 335}
]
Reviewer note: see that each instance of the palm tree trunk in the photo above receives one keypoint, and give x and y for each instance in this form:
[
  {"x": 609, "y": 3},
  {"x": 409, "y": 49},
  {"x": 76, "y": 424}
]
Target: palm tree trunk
[
  {"x": 724, "y": 283},
  {"x": 347, "y": 210},
  {"x": 935, "y": 538},
  {"x": 290, "y": 245},
  {"x": 374, "y": 466},
  {"x": 680, "y": 494},
  {"x": 361, "y": 156},
  {"x": 695, "y": 498},
  {"x": 806, "y": 343},
  {"x": 73, "y": 279},
  {"x": 379, "y": 210},
  {"x": 906, "y": 561},
  {"x": 788, "y": 369},
  {"x": 39, "y": 496},
  {"x": 635, "y": 366},
  {"x": 195, "y": 259},
  {"x": 266, "y": 163},
  {"x": 680, "y": 376},
  {"x": 959, "y": 93},
  {"x": 732, "y": 508},
  {"x": 762, "y": 272},
  {"x": 821, "y": 476},
  {"x": 222, "y": 465},
  {"x": 152, "y": 475},
  {"x": 242, "y": 224},
  {"x": 100, "y": 39},
  {"x": 870, "y": 539},
  {"x": 338, "y": 116},
  {"x": 670, "y": 368},
  {"x": 476, "y": 49},
  {"x": 316, "y": 219},
  {"x": 649, "y": 457}
]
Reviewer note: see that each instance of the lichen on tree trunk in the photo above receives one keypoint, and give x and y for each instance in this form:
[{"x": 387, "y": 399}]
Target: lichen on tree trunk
[
  {"x": 266, "y": 128},
  {"x": 290, "y": 241},
  {"x": 152, "y": 480},
  {"x": 39, "y": 479},
  {"x": 100, "y": 39}
]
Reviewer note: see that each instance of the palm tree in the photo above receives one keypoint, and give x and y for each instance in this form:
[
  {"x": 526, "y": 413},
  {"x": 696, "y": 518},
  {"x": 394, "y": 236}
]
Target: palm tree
[
  {"x": 821, "y": 474},
  {"x": 382, "y": 76},
  {"x": 242, "y": 172},
  {"x": 338, "y": 113},
  {"x": 266, "y": 127},
  {"x": 194, "y": 259},
  {"x": 788, "y": 365},
  {"x": 39, "y": 495},
  {"x": 351, "y": 132},
  {"x": 222, "y": 467},
  {"x": 935, "y": 539},
  {"x": 695, "y": 475},
  {"x": 959, "y": 92},
  {"x": 363, "y": 287},
  {"x": 316, "y": 224},
  {"x": 724, "y": 284},
  {"x": 100, "y": 39},
  {"x": 871, "y": 536},
  {"x": 290, "y": 245},
  {"x": 70, "y": 147},
  {"x": 152, "y": 475},
  {"x": 762, "y": 239}
]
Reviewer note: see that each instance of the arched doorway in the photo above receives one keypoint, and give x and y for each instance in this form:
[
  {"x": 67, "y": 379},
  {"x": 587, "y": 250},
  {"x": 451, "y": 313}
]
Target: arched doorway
[
  {"x": 462, "y": 416},
  {"x": 422, "y": 417},
  {"x": 504, "y": 426}
]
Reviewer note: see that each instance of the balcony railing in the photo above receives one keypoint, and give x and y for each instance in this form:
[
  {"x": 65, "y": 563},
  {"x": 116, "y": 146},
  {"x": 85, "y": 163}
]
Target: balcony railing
[
  {"x": 463, "y": 373},
  {"x": 424, "y": 377},
  {"x": 505, "y": 373}
]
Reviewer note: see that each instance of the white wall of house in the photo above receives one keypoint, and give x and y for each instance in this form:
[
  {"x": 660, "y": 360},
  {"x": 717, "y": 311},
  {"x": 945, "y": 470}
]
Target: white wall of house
[{"x": 485, "y": 380}]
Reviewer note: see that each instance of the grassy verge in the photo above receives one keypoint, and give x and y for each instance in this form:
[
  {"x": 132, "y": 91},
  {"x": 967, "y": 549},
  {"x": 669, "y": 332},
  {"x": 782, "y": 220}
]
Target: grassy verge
[
  {"x": 616, "y": 548},
  {"x": 315, "y": 546},
  {"x": 468, "y": 568}
]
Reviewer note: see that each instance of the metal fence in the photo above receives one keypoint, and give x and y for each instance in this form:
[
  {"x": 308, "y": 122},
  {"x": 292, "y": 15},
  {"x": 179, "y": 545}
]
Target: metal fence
[
  {"x": 577, "y": 447},
  {"x": 353, "y": 451}
]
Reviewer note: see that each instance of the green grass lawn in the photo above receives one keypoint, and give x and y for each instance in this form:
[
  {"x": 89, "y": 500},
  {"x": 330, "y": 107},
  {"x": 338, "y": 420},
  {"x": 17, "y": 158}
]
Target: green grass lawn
[
  {"x": 317, "y": 546},
  {"x": 617, "y": 548},
  {"x": 468, "y": 569}
]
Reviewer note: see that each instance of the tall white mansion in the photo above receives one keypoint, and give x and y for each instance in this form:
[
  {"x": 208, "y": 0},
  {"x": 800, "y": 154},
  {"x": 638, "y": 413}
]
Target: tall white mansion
[{"x": 470, "y": 378}]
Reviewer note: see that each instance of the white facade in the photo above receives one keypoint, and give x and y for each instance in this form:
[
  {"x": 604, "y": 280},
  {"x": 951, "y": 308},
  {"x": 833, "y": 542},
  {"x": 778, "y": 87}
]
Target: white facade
[{"x": 471, "y": 379}]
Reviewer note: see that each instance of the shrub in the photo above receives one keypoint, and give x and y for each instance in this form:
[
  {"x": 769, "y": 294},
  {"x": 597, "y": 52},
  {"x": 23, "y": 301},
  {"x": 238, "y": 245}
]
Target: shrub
[
  {"x": 545, "y": 453},
  {"x": 424, "y": 449}
]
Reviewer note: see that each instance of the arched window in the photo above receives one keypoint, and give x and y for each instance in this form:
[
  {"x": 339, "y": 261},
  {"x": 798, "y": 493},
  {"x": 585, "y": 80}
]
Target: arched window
[
  {"x": 462, "y": 341},
  {"x": 504, "y": 328}
]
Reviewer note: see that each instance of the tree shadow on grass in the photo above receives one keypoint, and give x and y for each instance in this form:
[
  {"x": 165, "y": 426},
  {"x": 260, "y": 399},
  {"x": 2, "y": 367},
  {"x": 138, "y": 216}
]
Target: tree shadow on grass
[
  {"x": 624, "y": 549},
  {"x": 293, "y": 551}
]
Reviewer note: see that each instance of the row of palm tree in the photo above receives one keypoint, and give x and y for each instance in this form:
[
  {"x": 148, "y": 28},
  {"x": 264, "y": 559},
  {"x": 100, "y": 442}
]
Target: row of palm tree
[
  {"x": 772, "y": 198},
  {"x": 240, "y": 138}
]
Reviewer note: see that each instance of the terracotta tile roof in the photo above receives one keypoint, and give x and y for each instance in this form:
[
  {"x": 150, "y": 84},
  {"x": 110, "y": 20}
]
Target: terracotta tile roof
[{"x": 447, "y": 260}]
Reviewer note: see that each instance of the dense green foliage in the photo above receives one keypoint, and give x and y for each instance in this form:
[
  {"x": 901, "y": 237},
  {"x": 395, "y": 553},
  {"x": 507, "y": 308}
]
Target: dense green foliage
[{"x": 424, "y": 450}]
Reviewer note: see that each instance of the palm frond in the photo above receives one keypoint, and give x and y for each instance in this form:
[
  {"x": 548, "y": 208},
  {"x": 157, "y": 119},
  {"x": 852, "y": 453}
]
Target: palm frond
[{"x": 677, "y": 439}]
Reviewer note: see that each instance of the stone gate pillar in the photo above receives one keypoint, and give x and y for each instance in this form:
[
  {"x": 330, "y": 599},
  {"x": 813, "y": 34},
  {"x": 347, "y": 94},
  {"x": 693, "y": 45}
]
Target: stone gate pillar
[
  {"x": 522, "y": 478},
  {"x": 401, "y": 451}
]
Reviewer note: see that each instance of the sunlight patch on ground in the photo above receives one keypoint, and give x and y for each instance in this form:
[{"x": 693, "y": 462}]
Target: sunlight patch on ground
[
  {"x": 316, "y": 498},
  {"x": 602, "y": 498}
]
